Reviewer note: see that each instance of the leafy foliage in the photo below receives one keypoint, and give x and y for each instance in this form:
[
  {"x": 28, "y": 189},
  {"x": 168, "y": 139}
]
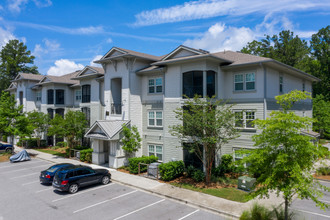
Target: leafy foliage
[
  {"x": 226, "y": 165},
  {"x": 14, "y": 58},
  {"x": 134, "y": 163},
  {"x": 321, "y": 112},
  {"x": 284, "y": 158},
  {"x": 171, "y": 170},
  {"x": 131, "y": 139},
  {"x": 257, "y": 212},
  {"x": 198, "y": 175},
  {"x": 86, "y": 155},
  {"x": 39, "y": 122},
  {"x": 205, "y": 122}
]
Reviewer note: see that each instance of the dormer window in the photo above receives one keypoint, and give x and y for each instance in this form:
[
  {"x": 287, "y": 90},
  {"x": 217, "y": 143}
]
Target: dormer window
[{"x": 155, "y": 85}]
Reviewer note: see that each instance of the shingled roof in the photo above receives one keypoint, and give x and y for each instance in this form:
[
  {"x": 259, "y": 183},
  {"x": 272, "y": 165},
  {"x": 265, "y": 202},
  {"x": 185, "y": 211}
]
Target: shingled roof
[
  {"x": 28, "y": 76},
  {"x": 64, "y": 79}
]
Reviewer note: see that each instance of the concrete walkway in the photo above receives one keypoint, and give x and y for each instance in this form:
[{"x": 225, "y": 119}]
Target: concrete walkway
[{"x": 224, "y": 207}]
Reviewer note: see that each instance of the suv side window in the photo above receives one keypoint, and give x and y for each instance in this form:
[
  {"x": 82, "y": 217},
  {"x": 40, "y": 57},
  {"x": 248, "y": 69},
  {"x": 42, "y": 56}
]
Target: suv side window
[{"x": 70, "y": 174}]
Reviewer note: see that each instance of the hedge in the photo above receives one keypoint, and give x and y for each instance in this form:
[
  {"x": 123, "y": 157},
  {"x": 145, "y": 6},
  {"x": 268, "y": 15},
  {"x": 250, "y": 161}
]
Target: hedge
[
  {"x": 86, "y": 155},
  {"x": 134, "y": 163},
  {"x": 171, "y": 170}
]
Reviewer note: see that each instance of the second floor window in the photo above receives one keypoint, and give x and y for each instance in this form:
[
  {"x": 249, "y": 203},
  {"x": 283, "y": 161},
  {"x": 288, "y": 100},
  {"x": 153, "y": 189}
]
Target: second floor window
[
  {"x": 38, "y": 96},
  {"x": 155, "y": 85},
  {"x": 244, "y": 119},
  {"x": 281, "y": 84},
  {"x": 86, "y": 93},
  {"x": 155, "y": 119},
  {"x": 193, "y": 83},
  {"x": 50, "y": 96},
  {"x": 244, "y": 82},
  {"x": 78, "y": 95},
  {"x": 59, "y": 97}
]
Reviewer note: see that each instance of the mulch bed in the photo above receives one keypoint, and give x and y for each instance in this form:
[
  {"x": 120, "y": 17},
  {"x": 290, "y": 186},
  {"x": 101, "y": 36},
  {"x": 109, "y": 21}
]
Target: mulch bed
[{"x": 322, "y": 177}]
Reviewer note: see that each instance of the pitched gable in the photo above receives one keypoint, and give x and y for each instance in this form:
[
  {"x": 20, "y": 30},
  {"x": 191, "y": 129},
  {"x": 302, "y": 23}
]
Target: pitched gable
[
  {"x": 113, "y": 52},
  {"x": 183, "y": 51}
]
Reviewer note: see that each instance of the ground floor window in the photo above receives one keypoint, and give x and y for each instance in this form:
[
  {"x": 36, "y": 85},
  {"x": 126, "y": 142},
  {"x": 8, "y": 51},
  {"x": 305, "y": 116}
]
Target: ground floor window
[{"x": 156, "y": 150}]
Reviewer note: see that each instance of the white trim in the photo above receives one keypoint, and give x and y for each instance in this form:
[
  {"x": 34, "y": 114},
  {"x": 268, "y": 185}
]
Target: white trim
[{"x": 181, "y": 47}]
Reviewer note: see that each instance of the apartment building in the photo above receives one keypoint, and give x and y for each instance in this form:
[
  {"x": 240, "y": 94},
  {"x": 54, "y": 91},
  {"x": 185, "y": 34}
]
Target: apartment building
[{"x": 143, "y": 90}]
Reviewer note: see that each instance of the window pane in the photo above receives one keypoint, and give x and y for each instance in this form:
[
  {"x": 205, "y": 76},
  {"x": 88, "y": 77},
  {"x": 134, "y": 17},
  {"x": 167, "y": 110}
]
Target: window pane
[
  {"x": 239, "y": 78},
  {"x": 193, "y": 83},
  {"x": 151, "y": 82},
  {"x": 238, "y": 86},
  {"x": 239, "y": 119},
  {"x": 250, "y": 116},
  {"x": 160, "y": 156},
  {"x": 159, "y": 81},
  {"x": 159, "y": 122},
  {"x": 151, "y": 122},
  {"x": 151, "y": 148},
  {"x": 151, "y": 115},
  {"x": 250, "y": 86},
  {"x": 151, "y": 89},
  {"x": 249, "y": 77},
  {"x": 159, "y": 89},
  {"x": 151, "y": 154},
  {"x": 159, "y": 114},
  {"x": 159, "y": 149},
  {"x": 210, "y": 83}
]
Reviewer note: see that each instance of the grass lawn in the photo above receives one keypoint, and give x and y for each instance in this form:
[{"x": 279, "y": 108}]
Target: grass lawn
[
  {"x": 226, "y": 193},
  {"x": 4, "y": 157},
  {"x": 54, "y": 152}
]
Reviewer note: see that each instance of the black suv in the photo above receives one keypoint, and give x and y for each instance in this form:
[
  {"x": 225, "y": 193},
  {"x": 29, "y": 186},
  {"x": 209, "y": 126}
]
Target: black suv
[{"x": 72, "y": 178}]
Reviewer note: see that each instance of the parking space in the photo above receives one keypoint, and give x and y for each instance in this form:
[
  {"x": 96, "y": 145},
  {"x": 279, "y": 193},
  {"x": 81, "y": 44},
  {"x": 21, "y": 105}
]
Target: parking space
[
  {"x": 306, "y": 209},
  {"x": 23, "y": 197}
]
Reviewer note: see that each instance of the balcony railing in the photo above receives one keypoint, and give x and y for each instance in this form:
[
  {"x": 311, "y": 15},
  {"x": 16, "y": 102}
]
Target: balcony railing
[{"x": 116, "y": 108}]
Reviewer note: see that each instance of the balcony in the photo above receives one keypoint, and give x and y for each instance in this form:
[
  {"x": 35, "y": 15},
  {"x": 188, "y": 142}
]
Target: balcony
[{"x": 116, "y": 108}]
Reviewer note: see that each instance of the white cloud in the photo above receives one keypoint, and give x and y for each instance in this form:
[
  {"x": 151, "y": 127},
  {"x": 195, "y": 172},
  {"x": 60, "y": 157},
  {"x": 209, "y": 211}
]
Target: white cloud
[
  {"x": 50, "y": 47},
  {"x": 213, "y": 8},
  {"x": 97, "y": 57},
  {"x": 219, "y": 37},
  {"x": 64, "y": 66},
  {"x": 15, "y": 6},
  {"x": 5, "y": 36},
  {"x": 109, "y": 41}
]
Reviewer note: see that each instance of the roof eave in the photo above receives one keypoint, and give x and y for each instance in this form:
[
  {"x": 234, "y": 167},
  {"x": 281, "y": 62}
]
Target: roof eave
[{"x": 204, "y": 56}]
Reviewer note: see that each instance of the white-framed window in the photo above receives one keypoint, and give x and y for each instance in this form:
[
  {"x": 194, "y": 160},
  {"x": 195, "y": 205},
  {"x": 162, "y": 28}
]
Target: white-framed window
[
  {"x": 155, "y": 85},
  {"x": 281, "y": 84},
  {"x": 244, "y": 119},
  {"x": 155, "y": 119},
  {"x": 237, "y": 154},
  {"x": 244, "y": 82},
  {"x": 38, "y": 96},
  {"x": 156, "y": 150},
  {"x": 78, "y": 95}
]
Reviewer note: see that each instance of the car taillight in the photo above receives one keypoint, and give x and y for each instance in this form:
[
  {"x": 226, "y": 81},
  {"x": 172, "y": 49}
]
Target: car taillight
[
  {"x": 64, "y": 182},
  {"x": 48, "y": 176}
]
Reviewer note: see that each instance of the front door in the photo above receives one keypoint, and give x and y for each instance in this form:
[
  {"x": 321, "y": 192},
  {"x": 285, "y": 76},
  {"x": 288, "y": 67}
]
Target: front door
[{"x": 106, "y": 151}]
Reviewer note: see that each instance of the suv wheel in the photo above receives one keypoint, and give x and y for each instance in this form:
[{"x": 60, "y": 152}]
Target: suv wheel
[
  {"x": 105, "y": 180},
  {"x": 9, "y": 150},
  {"x": 73, "y": 188}
]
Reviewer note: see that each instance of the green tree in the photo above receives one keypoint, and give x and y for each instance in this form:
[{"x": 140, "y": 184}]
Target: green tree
[
  {"x": 56, "y": 127},
  {"x": 12, "y": 120},
  {"x": 284, "y": 47},
  {"x": 207, "y": 124},
  {"x": 14, "y": 58},
  {"x": 131, "y": 140},
  {"x": 320, "y": 45},
  {"x": 321, "y": 112},
  {"x": 284, "y": 158},
  {"x": 39, "y": 122}
]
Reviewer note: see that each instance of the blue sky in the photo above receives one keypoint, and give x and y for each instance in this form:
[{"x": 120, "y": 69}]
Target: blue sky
[{"x": 66, "y": 35}]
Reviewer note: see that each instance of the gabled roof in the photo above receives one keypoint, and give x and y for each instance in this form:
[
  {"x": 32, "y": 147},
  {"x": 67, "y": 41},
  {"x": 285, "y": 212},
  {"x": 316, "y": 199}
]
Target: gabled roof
[
  {"x": 117, "y": 52},
  {"x": 28, "y": 76},
  {"x": 12, "y": 86},
  {"x": 106, "y": 129},
  {"x": 189, "y": 51},
  {"x": 89, "y": 71},
  {"x": 64, "y": 79}
]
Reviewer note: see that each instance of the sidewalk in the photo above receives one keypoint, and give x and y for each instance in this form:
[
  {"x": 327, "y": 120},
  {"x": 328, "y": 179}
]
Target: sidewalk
[{"x": 228, "y": 208}]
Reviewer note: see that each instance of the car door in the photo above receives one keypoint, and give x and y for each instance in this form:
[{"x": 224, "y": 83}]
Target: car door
[
  {"x": 85, "y": 177},
  {"x": 2, "y": 148}
]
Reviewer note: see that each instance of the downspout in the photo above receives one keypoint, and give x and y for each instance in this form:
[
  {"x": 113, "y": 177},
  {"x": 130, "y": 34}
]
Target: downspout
[{"x": 265, "y": 90}]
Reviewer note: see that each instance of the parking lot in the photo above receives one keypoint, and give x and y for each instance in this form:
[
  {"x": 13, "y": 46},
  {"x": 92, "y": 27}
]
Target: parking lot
[
  {"x": 23, "y": 197},
  {"x": 306, "y": 209}
]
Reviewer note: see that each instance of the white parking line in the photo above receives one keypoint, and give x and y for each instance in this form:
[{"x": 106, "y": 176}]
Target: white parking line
[
  {"x": 13, "y": 165},
  {"x": 189, "y": 214},
  {"x": 313, "y": 213},
  {"x": 66, "y": 197},
  {"x": 24, "y": 184},
  {"x": 25, "y": 168},
  {"x": 43, "y": 190},
  {"x": 139, "y": 209},
  {"x": 24, "y": 176},
  {"x": 108, "y": 200},
  {"x": 324, "y": 201}
]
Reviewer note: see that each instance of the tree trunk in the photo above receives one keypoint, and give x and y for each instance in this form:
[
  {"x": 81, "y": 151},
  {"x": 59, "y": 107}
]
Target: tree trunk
[{"x": 286, "y": 208}]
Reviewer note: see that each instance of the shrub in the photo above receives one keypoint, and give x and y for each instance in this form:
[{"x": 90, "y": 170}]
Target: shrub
[
  {"x": 134, "y": 163},
  {"x": 198, "y": 176},
  {"x": 86, "y": 155},
  {"x": 323, "y": 171},
  {"x": 171, "y": 170},
  {"x": 325, "y": 152},
  {"x": 190, "y": 170},
  {"x": 226, "y": 165},
  {"x": 257, "y": 212},
  {"x": 62, "y": 144},
  {"x": 79, "y": 147},
  {"x": 4, "y": 138}
]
